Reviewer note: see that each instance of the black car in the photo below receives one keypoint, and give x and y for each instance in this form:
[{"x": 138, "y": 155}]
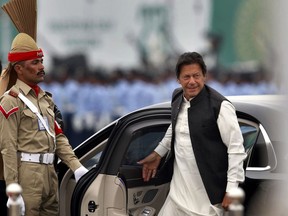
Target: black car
[{"x": 114, "y": 184}]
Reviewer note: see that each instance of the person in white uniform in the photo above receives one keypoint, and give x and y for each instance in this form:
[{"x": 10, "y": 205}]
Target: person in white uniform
[{"x": 206, "y": 144}]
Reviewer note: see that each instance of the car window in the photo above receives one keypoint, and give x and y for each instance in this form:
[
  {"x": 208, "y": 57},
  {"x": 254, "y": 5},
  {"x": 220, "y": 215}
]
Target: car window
[
  {"x": 92, "y": 157},
  {"x": 250, "y": 132},
  {"x": 259, "y": 155},
  {"x": 92, "y": 162},
  {"x": 263, "y": 157},
  {"x": 145, "y": 140},
  {"x": 142, "y": 143}
]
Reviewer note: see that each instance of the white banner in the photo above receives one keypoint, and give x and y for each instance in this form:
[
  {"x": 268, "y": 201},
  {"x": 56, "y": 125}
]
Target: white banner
[{"x": 120, "y": 33}]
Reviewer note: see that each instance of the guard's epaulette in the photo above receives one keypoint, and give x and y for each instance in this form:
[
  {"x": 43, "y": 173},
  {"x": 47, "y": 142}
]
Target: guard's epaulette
[{"x": 13, "y": 93}]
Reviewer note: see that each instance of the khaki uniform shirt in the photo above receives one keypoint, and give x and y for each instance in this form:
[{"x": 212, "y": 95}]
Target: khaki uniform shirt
[{"x": 21, "y": 131}]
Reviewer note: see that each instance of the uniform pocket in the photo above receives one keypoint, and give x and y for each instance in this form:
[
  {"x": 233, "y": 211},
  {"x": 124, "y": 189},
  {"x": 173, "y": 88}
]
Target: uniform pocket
[{"x": 29, "y": 119}]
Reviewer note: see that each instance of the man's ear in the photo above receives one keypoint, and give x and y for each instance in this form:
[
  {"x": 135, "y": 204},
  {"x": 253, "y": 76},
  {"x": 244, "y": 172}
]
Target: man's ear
[{"x": 18, "y": 68}]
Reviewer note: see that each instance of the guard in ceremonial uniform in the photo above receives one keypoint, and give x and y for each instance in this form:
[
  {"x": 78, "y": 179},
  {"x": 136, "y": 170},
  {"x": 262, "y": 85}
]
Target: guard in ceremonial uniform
[{"x": 30, "y": 137}]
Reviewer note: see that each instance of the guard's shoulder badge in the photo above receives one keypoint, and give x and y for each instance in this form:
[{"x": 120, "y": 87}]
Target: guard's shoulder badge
[{"x": 13, "y": 93}]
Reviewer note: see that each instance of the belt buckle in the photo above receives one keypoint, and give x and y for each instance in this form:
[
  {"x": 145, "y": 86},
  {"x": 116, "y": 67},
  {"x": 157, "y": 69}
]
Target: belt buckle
[{"x": 41, "y": 156}]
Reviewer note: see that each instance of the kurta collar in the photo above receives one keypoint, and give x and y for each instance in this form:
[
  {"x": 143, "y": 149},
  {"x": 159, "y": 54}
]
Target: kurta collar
[{"x": 185, "y": 100}]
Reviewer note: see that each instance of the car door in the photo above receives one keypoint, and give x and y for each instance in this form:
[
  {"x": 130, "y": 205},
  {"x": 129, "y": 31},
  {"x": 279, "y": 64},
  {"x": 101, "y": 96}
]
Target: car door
[
  {"x": 89, "y": 153},
  {"x": 114, "y": 184}
]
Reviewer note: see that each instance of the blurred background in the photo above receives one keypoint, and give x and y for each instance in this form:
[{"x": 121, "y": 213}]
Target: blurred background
[{"x": 105, "y": 58}]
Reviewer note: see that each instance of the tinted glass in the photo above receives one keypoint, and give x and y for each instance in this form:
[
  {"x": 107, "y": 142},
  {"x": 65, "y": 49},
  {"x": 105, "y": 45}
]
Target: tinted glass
[{"x": 143, "y": 142}]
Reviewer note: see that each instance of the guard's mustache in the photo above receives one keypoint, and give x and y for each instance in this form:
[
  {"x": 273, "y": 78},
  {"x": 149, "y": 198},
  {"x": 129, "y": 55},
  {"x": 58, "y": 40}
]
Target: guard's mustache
[{"x": 41, "y": 72}]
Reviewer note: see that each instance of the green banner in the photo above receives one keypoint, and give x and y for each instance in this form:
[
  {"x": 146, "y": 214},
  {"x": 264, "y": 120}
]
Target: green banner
[{"x": 243, "y": 26}]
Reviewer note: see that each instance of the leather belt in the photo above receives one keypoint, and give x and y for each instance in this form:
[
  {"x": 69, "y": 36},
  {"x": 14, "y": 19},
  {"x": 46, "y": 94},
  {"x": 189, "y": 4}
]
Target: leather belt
[{"x": 42, "y": 158}]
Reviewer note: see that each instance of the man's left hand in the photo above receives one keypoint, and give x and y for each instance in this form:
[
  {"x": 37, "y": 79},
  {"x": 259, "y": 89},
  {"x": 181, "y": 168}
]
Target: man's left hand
[{"x": 226, "y": 202}]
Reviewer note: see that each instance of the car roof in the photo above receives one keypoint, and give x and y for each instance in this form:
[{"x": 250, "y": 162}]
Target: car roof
[
  {"x": 269, "y": 101},
  {"x": 269, "y": 110}
]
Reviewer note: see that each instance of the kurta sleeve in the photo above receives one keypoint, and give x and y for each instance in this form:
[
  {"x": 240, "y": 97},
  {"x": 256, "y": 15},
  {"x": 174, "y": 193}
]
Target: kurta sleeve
[
  {"x": 165, "y": 144},
  {"x": 233, "y": 139}
]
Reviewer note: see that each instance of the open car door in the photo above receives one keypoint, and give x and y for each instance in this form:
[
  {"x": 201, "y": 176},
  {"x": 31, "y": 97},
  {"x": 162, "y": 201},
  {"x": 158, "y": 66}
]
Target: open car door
[{"x": 114, "y": 184}]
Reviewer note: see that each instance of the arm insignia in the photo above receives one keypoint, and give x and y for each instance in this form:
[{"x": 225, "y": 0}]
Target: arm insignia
[{"x": 10, "y": 112}]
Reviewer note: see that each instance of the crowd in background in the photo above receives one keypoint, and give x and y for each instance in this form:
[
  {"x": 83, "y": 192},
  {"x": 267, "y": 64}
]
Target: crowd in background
[{"x": 91, "y": 100}]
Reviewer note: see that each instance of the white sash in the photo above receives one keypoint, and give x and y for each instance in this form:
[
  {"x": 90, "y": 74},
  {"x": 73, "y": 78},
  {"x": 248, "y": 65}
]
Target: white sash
[{"x": 34, "y": 109}]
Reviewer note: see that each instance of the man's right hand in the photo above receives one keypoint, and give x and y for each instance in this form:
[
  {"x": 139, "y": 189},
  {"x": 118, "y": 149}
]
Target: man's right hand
[{"x": 150, "y": 165}]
